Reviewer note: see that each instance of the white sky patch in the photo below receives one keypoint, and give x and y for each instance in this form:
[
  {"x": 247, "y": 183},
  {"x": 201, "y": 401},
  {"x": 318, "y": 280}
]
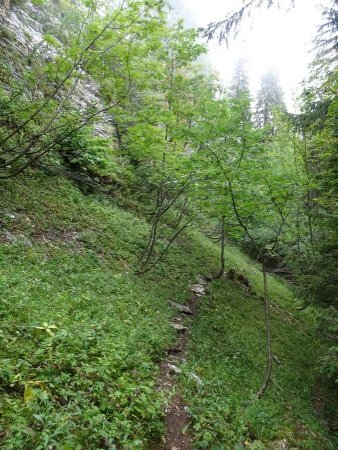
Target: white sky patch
[{"x": 279, "y": 39}]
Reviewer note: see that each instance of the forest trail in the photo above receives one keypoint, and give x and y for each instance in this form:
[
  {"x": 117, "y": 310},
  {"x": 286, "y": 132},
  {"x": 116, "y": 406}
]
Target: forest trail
[
  {"x": 176, "y": 417},
  {"x": 127, "y": 168},
  {"x": 65, "y": 260}
]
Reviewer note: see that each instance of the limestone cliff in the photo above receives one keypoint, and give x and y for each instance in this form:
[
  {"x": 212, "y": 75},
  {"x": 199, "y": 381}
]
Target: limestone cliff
[{"x": 23, "y": 27}]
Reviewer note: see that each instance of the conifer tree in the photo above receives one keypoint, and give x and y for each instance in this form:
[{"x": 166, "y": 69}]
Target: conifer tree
[
  {"x": 240, "y": 81},
  {"x": 239, "y": 92},
  {"x": 269, "y": 97},
  {"x": 327, "y": 41}
]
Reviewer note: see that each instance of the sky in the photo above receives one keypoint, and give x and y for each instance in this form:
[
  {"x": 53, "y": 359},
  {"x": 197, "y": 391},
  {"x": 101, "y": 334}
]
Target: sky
[{"x": 277, "y": 39}]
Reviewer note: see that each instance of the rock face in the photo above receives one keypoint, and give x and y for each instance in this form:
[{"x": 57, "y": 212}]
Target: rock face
[
  {"x": 6, "y": 7},
  {"x": 27, "y": 31},
  {"x": 22, "y": 31}
]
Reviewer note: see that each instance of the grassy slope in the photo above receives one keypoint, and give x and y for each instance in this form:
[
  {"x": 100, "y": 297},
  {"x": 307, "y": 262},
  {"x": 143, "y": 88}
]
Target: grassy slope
[
  {"x": 91, "y": 382},
  {"x": 227, "y": 351}
]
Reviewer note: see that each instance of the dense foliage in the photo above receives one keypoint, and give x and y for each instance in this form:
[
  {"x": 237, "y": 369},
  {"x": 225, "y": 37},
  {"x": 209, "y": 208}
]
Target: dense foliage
[{"x": 155, "y": 125}]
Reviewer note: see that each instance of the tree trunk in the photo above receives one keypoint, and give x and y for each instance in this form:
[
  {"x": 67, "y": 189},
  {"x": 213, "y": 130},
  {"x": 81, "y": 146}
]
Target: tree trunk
[
  {"x": 221, "y": 272},
  {"x": 268, "y": 338}
]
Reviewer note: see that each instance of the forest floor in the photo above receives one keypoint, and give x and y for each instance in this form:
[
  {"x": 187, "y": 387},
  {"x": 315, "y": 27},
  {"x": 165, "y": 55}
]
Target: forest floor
[
  {"x": 84, "y": 337},
  {"x": 176, "y": 418}
]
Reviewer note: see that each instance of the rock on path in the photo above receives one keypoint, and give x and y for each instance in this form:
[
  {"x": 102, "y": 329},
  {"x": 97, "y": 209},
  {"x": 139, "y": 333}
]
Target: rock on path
[{"x": 177, "y": 420}]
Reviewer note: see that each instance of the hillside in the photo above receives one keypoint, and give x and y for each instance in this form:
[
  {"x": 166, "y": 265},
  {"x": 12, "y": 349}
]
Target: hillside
[
  {"x": 83, "y": 335},
  {"x": 168, "y": 244}
]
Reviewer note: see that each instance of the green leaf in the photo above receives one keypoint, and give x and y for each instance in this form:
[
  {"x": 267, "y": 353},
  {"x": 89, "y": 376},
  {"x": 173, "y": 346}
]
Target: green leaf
[{"x": 29, "y": 394}]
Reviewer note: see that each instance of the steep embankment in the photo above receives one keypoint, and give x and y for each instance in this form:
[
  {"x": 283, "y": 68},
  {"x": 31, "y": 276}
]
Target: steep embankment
[
  {"x": 67, "y": 262},
  {"x": 82, "y": 335},
  {"x": 227, "y": 352}
]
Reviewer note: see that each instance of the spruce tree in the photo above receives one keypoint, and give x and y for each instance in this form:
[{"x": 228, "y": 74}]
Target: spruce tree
[
  {"x": 240, "y": 81},
  {"x": 269, "y": 97},
  {"x": 326, "y": 41}
]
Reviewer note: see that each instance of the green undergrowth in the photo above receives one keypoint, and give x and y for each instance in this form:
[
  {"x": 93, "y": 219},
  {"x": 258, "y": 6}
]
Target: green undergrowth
[
  {"x": 228, "y": 353},
  {"x": 82, "y": 334}
]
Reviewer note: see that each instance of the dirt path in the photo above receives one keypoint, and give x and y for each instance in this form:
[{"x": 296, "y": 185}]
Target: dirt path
[{"x": 176, "y": 417}]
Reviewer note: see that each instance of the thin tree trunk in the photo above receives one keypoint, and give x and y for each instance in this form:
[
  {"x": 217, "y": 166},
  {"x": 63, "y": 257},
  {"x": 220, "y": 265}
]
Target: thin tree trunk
[
  {"x": 160, "y": 258},
  {"x": 118, "y": 135},
  {"x": 309, "y": 217},
  {"x": 298, "y": 231},
  {"x": 161, "y": 210},
  {"x": 222, "y": 246},
  {"x": 268, "y": 338},
  {"x": 221, "y": 271},
  {"x": 180, "y": 215}
]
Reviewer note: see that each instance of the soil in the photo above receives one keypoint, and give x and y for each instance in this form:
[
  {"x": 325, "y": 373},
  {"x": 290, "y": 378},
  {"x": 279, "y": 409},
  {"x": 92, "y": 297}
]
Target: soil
[{"x": 177, "y": 420}]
